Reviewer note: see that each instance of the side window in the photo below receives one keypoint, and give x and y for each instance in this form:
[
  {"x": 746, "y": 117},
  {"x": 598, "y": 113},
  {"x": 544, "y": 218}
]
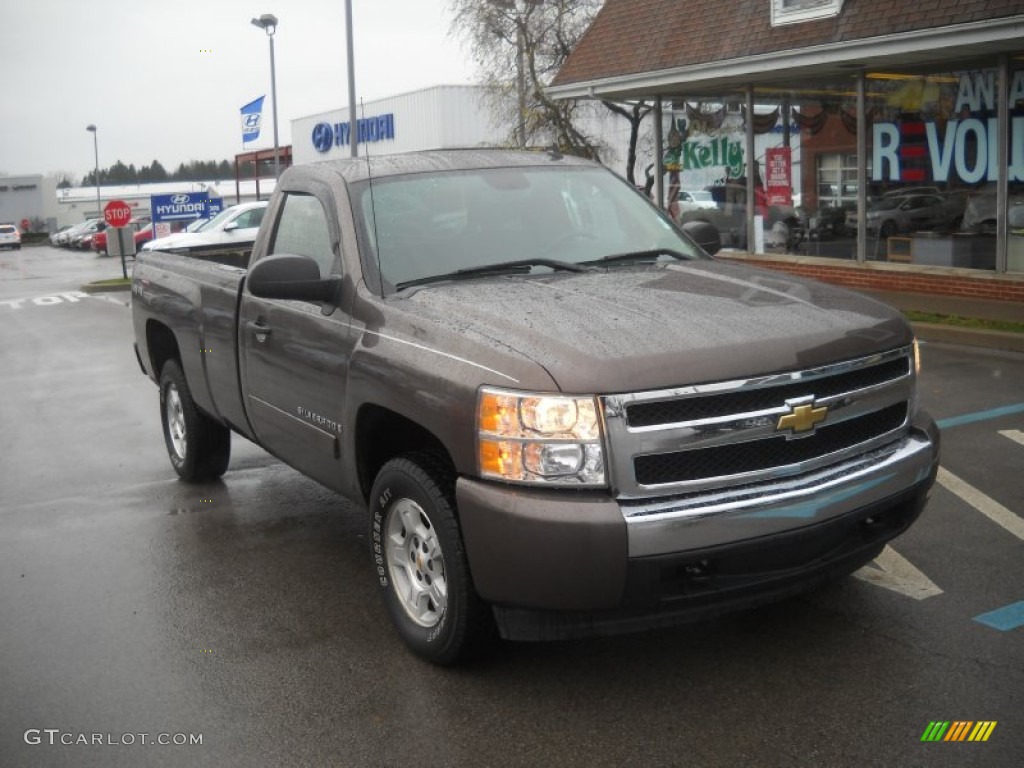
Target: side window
[
  {"x": 302, "y": 230},
  {"x": 248, "y": 219}
]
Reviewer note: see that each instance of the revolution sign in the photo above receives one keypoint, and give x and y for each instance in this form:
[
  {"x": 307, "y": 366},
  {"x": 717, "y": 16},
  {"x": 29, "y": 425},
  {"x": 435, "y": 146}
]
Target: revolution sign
[
  {"x": 184, "y": 206},
  {"x": 965, "y": 146}
]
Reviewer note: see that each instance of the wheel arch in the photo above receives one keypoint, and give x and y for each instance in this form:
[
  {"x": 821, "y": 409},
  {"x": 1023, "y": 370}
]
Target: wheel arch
[
  {"x": 162, "y": 345},
  {"x": 382, "y": 434}
]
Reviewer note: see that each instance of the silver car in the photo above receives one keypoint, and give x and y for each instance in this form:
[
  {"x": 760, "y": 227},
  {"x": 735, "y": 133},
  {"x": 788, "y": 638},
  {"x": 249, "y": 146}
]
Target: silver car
[{"x": 910, "y": 213}]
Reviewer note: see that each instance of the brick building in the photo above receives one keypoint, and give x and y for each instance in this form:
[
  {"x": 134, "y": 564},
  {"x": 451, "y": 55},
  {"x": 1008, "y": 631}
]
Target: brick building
[{"x": 910, "y": 116}]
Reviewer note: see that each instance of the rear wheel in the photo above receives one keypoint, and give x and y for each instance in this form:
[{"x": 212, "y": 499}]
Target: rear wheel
[
  {"x": 420, "y": 560},
  {"x": 199, "y": 447}
]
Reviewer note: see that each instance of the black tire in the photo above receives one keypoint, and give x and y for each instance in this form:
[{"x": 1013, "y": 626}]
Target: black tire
[
  {"x": 199, "y": 447},
  {"x": 420, "y": 560},
  {"x": 888, "y": 230}
]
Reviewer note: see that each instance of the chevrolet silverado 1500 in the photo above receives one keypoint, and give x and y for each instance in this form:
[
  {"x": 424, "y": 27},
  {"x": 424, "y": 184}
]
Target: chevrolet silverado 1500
[{"x": 564, "y": 416}]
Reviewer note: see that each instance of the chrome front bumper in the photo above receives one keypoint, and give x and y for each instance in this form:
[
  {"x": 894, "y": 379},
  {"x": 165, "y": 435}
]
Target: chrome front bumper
[{"x": 708, "y": 519}]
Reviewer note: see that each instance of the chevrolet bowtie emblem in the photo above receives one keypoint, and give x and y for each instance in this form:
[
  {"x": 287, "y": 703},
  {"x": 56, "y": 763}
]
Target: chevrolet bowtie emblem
[{"x": 802, "y": 418}]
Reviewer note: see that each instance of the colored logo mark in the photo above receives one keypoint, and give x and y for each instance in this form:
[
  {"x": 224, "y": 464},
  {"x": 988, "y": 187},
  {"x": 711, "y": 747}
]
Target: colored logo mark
[
  {"x": 323, "y": 137},
  {"x": 802, "y": 418},
  {"x": 958, "y": 730}
]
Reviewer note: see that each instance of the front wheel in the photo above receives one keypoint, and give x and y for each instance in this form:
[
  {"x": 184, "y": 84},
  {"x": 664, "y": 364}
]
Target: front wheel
[
  {"x": 420, "y": 560},
  {"x": 199, "y": 447}
]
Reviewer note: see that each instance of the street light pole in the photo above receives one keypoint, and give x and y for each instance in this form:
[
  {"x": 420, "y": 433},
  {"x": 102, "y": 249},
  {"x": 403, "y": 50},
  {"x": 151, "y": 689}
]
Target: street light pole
[
  {"x": 268, "y": 23},
  {"x": 96, "y": 153},
  {"x": 353, "y": 124},
  {"x": 517, "y": 17}
]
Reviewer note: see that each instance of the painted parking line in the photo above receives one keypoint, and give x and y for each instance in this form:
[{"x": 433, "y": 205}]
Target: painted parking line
[
  {"x": 971, "y": 418},
  {"x": 988, "y": 506},
  {"x": 892, "y": 571},
  {"x": 1004, "y": 619},
  {"x": 1014, "y": 434}
]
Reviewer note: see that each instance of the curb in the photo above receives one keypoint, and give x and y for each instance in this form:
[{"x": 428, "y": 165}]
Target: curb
[
  {"x": 101, "y": 288},
  {"x": 971, "y": 337}
]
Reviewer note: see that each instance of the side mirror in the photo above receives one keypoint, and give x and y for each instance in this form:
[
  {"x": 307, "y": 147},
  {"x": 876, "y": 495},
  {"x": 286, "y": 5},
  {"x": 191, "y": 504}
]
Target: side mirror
[
  {"x": 286, "y": 276},
  {"x": 231, "y": 226},
  {"x": 705, "y": 235}
]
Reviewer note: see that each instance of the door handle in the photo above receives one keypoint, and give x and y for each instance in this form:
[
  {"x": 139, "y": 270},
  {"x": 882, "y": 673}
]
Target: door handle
[{"x": 260, "y": 330}]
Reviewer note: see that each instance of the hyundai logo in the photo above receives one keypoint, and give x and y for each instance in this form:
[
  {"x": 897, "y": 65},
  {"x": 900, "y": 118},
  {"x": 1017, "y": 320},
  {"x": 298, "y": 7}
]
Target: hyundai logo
[
  {"x": 252, "y": 121},
  {"x": 323, "y": 137},
  {"x": 179, "y": 199}
]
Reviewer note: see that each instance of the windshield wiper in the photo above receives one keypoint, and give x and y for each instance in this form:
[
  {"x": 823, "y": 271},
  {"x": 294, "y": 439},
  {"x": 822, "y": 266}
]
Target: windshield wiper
[
  {"x": 517, "y": 266},
  {"x": 653, "y": 253}
]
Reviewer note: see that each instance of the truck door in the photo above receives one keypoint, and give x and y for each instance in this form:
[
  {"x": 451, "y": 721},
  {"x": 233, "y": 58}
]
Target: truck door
[{"x": 294, "y": 357}]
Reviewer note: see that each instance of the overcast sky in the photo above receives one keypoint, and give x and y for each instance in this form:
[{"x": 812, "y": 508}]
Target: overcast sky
[{"x": 164, "y": 79}]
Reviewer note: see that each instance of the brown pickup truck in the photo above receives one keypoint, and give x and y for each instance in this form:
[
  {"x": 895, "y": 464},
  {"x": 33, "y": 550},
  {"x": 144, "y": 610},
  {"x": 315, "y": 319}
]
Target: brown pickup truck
[{"x": 565, "y": 416}]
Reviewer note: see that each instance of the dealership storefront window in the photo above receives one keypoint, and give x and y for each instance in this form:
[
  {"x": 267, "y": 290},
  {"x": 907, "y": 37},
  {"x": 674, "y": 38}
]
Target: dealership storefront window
[{"x": 931, "y": 164}]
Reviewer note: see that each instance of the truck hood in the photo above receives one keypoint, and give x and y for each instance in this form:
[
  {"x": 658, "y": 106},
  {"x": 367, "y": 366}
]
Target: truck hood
[{"x": 668, "y": 325}]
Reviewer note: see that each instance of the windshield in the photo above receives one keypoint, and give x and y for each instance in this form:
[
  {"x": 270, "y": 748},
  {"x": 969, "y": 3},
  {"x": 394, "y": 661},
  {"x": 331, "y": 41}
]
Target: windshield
[{"x": 423, "y": 225}]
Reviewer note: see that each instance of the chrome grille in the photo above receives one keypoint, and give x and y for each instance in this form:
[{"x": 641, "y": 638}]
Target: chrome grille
[
  {"x": 727, "y": 433},
  {"x": 744, "y": 401}
]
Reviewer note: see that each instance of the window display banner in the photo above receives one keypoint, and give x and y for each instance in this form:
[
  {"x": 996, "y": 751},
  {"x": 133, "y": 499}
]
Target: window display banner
[{"x": 779, "y": 175}]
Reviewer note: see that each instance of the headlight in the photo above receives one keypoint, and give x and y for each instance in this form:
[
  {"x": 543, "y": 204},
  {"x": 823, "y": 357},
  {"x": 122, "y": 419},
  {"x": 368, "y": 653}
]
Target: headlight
[
  {"x": 917, "y": 358},
  {"x": 539, "y": 438}
]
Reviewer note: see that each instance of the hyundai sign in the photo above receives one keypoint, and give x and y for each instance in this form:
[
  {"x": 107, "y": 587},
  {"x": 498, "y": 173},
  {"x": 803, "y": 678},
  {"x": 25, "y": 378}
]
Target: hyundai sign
[
  {"x": 369, "y": 129},
  {"x": 185, "y": 206}
]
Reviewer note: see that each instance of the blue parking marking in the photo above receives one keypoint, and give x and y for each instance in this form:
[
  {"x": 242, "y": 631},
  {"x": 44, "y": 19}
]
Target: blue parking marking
[
  {"x": 970, "y": 418},
  {"x": 1004, "y": 619}
]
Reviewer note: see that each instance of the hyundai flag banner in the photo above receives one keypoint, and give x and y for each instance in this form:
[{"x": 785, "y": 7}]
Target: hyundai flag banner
[{"x": 252, "y": 116}]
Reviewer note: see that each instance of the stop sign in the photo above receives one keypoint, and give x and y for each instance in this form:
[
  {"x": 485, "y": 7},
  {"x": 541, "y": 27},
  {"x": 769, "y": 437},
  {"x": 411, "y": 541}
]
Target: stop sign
[{"x": 117, "y": 213}]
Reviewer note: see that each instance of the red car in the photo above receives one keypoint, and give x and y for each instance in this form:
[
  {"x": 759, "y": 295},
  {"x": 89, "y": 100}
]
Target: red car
[{"x": 144, "y": 235}]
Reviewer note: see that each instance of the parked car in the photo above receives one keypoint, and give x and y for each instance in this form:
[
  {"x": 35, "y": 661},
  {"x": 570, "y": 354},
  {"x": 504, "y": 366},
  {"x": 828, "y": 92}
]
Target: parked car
[
  {"x": 910, "y": 213},
  {"x": 10, "y": 236},
  {"x": 55, "y": 237},
  {"x": 980, "y": 211},
  {"x": 695, "y": 199},
  {"x": 65, "y": 236},
  {"x": 83, "y": 238},
  {"x": 236, "y": 225},
  {"x": 827, "y": 222},
  {"x": 141, "y": 235}
]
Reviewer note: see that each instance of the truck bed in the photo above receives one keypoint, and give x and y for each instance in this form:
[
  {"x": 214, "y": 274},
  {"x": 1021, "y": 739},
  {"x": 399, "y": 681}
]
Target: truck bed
[{"x": 195, "y": 293}]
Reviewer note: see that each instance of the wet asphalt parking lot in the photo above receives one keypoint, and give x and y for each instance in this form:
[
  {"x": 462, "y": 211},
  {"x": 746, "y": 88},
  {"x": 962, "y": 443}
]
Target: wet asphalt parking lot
[{"x": 243, "y": 614}]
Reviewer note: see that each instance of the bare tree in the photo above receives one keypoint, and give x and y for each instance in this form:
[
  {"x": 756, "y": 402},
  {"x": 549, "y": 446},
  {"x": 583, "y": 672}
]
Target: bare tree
[
  {"x": 634, "y": 113},
  {"x": 519, "y": 46}
]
